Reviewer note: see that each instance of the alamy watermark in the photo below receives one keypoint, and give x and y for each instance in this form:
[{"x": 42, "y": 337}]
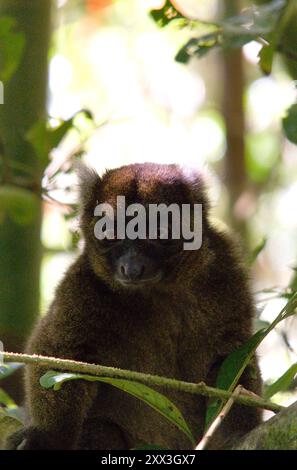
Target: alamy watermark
[{"x": 136, "y": 221}]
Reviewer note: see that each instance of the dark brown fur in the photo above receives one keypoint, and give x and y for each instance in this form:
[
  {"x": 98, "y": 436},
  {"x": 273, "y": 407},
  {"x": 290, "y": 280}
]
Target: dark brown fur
[{"x": 182, "y": 328}]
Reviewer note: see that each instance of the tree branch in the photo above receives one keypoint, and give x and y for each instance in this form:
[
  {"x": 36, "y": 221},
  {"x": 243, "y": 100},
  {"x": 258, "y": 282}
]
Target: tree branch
[
  {"x": 278, "y": 433},
  {"x": 217, "y": 422},
  {"x": 245, "y": 397}
]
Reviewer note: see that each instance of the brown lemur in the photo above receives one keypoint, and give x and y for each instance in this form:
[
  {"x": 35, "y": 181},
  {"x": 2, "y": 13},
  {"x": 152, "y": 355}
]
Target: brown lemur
[{"x": 144, "y": 305}]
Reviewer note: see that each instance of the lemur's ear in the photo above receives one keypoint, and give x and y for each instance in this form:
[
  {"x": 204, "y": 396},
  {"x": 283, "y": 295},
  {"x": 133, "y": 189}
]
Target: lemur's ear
[
  {"x": 88, "y": 182},
  {"x": 196, "y": 180}
]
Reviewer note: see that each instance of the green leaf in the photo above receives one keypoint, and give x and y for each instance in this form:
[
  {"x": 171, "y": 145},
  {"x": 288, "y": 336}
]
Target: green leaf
[
  {"x": 44, "y": 139},
  {"x": 231, "y": 370},
  {"x": 15, "y": 412},
  {"x": 287, "y": 37},
  {"x": 290, "y": 124},
  {"x": 260, "y": 324},
  {"x": 235, "y": 41},
  {"x": 235, "y": 364},
  {"x": 234, "y": 32},
  {"x": 8, "y": 425},
  {"x": 20, "y": 204},
  {"x": 282, "y": 384},
  {"x": 152, "y": 398},
  {"x": 198, "y": 47},
  {"x": 12, "y": 46},
  {"x": 257, "y": 250},
  {"x": 266, "y": 58},
  {"x": 166, "y": 14},
  {"x": 293, "y": 282},
  {"x": 9, "y": 368},
  {"x": 255, "y": 21},
  {"x": 5, "y": 399}
]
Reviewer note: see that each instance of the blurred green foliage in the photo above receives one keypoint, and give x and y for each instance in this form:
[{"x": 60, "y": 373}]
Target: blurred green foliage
[
  {"x": 272, "y": 24},
  {"x": 12, "y": 46}
]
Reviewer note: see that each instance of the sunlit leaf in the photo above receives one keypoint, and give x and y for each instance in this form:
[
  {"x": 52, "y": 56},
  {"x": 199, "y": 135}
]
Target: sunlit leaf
[
  {"x": 266, "y": 58},
  {"x": 166, "y": 14},
  {"x": 152, "y": 398},
  {"x": 44, "y": 139},
  {"x": 290, "y": 124},
  {"x": 282, "y": 384},
  {"x": 8, "y": 425},
  {"x": 12, "y": 46},
  {"x": 257, "y": 250},
  {"x": 287, "y": 311},
  {"x": 5, "y": 371},
  {"x": 260, "y": 324},
  {"x": 198, "y": 47},
  {"x": 75, "y": 238},
  {"x": 231, "y": 33},
  {"x": 5, "y": 399},
  {"x": 9, "y": 368},
  {"x": 15, "y": 412}
]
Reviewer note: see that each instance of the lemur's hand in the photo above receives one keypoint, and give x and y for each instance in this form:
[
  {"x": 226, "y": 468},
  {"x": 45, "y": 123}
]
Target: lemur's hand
[{"x": 30, "y": 438}]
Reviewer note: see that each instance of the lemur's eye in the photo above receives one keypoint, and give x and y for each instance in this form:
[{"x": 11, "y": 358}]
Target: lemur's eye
[
  {"x": 163, "y": 233},
  {"x": 164, "y": 236},
  {"x": 107, "y": 239}
]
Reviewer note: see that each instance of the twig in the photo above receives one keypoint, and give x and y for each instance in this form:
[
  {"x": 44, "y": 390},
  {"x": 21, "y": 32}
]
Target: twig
[
  {"x": 94, "y": 369},
  {"x": 218, "y": 420},
  {"x": 48, "y": 198}
]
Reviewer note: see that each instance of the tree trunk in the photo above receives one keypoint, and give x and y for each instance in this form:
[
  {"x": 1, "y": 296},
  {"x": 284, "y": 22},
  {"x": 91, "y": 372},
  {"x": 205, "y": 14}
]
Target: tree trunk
[
  {"x": 279, "y": 433},
  {"x": 233, "y": 111},
  {"x": 24, "y": 104}
]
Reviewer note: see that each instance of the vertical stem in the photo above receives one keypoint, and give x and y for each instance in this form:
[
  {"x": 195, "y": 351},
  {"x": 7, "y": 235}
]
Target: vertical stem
[
  {"x": 218, "y": 420},
  {"x": 24, "y": 104},
  {"x": 233, "y": 86}
]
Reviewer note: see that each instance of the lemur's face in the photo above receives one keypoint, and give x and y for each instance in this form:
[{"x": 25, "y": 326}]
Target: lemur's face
[{"x": 137, "y": 263}]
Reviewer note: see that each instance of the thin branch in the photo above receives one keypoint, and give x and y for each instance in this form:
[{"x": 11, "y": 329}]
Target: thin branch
[
  {"x": 47, "y": 197},
  {"x": 218, "y": 420},
  {"x": 103, "y": 371}
]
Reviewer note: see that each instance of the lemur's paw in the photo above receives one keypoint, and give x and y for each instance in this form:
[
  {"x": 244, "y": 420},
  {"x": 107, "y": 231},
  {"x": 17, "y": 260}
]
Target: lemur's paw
[{"x": 29, "y": 438}]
